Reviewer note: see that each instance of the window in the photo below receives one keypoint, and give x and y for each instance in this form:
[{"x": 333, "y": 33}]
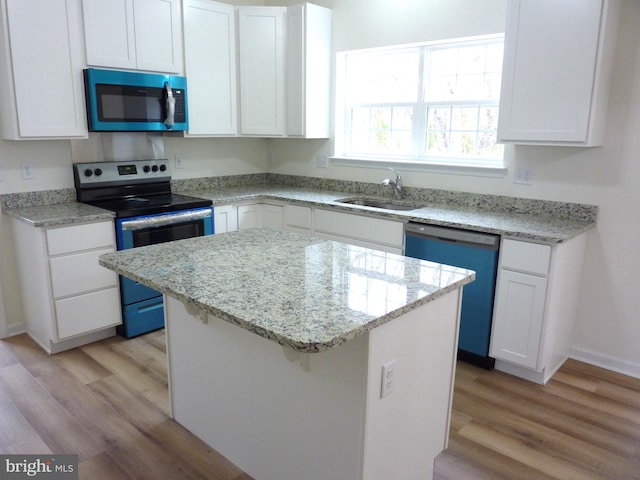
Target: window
[{"x": 430, "y": 103}]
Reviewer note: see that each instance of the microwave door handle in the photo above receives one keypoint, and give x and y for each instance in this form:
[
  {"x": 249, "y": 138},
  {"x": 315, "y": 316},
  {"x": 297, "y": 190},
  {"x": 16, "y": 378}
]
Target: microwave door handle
[{"x": 171, "y": 106}]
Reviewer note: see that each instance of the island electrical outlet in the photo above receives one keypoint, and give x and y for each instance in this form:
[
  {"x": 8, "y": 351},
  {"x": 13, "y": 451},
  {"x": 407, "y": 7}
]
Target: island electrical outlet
[{"x": 388, "y": 378}]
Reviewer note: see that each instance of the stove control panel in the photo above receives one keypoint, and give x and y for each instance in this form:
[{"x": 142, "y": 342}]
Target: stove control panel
[{"x": 121, "y": 172}]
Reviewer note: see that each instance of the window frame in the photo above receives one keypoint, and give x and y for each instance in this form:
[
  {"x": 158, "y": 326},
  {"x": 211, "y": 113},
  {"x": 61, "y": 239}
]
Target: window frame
[{"x": 416, "y": 160}]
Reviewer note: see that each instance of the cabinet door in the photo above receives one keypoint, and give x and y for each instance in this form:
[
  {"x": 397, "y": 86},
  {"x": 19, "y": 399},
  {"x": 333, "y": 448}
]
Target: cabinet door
[
  {"x": 210, "y": 66},
  {"x": 249, "y": 216},
  {"x": 518, "y": 318},
  {"x": 298, "y": 218},
  {"x": 46, "y": 54},
  {"x": 134, "y": 34},
  {"x": 272, "y": 216},
  {"x": 158, "y": 35},
  {"x": 308, "y": 70},
  {"x": 109, "y": 33},
  {"x": 86, "y": 313},
  {"x": 262, "y": 43},
  {"x": 225, "y": 218},
  {"x": 79, "y": 273},
  {"x": 370, "y": 230},
  {"x": 554, "y": 85}
]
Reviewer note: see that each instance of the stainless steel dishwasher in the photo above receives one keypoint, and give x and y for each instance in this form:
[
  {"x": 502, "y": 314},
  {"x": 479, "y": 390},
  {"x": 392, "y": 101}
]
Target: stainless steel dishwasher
[{"x": 466, "y": 249}]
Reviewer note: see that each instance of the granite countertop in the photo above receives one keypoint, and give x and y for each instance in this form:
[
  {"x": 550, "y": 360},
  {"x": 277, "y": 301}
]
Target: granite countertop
[
  {"x": 533, "y": 220},
  {"x": 529, "y": 221},
  {"x": 57, "y": 214},
  {"x": 302, "y": 292}
]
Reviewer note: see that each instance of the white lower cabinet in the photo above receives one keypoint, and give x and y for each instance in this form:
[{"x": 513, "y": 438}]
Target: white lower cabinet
[
  {"x": 535, "y": 306},
  {"x": 230, "y": 218},
  {"x": 272, "y": 215},
  {"x": 68, "y": 298},
  {"x": 377, "y": 233},
  {"x": 225, "y": 218},
  {"x": 519, "y": 314},
  {"x": 298, "y": 218}
]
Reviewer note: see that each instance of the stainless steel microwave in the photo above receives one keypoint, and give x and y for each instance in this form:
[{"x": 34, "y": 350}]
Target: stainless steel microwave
[{"x": 119, "y": 101}]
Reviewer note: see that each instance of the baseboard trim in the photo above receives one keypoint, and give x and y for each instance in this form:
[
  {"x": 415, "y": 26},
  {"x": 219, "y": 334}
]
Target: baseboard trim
[
  {"x": 15, "y": 329},
  {"x": 604, "y": 361}
]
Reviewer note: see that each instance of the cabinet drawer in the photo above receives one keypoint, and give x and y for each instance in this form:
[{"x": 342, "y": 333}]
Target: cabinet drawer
[
  {"x": 80, "y": 237},
  {"x": 79, "y": 273},
  {"x": 357, "y": 227},
  {"x": 86, "y": 313},
  {"x": 298, "y": 216},
  {"x": 525, "y": 256}
]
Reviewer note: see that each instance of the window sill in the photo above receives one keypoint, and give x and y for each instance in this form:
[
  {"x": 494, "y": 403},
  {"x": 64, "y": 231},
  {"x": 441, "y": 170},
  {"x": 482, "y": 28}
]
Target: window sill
[{"x": 415, "y": 166}]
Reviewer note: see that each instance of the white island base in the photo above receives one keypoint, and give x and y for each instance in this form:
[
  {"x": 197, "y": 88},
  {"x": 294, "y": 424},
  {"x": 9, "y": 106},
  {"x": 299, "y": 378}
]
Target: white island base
[{"x": 284, "y": 415}]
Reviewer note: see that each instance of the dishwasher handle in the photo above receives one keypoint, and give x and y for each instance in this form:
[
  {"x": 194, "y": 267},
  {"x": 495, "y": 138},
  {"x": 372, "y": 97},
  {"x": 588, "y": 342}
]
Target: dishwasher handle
[{"x": 453, "y": 235}]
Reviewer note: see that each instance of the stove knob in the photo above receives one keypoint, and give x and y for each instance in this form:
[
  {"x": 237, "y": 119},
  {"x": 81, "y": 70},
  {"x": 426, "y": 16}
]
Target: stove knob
[
  {"x": 163, "y": 167},
  {"x": 88, "y": 172},
  {"x": 154, "y": 168},
  {"x": 146, "y": 169},
  {"x": 98, "y": 172}
]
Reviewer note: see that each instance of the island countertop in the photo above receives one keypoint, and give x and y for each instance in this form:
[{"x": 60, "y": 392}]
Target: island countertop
[{"x": 302, "y": 292}]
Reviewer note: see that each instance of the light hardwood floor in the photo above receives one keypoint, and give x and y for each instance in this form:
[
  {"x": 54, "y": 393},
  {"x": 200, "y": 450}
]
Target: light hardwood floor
[{"x": 108, "y": 403}]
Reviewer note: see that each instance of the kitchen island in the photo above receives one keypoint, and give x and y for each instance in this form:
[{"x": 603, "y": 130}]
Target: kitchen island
[{"x": 297, "y": 357}]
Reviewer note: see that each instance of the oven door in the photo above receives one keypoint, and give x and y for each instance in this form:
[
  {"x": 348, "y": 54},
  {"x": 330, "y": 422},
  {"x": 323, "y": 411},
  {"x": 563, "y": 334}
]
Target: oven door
[{"x": 144, "y": 230}]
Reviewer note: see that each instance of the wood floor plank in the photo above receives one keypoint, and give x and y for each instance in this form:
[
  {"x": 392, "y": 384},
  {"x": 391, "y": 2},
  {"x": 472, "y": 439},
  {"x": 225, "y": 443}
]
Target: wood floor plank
[
  {"x": 146, "y": 356},
  {"x": 56, "y": 426},
  {"x": 84, "y": 368},
  {"x": 551, "y": 442},
  {"x": 526, "y": 453},
  {"x": 544, "y": 397},
  {"x": 14, "y": 427},
  {"x": 6, "y": 355},
  {"x": 494, "y": 403},
  {"x": 101, "y": 467},
  {"x": 132, "y": 374},
  {"x": 134, "y": 407},
  {"x": 199, "y": 455},
  {"x": 495, "y": 464},
  {"x": 108, "y": 402},
  {"x": 25, "y": 350}
]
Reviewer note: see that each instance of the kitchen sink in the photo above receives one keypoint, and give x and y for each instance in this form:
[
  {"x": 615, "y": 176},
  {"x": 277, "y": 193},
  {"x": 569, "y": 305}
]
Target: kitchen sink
[{"x": 378, "y": 203}]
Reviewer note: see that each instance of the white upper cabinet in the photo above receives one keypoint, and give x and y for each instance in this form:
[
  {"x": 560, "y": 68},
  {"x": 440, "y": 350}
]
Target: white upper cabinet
[
  {"x": 285, "y": 70},
  {"x": 210, "y": 66},
  {"x": 41, "y": 70},
  {"x": 134, "y": 34},
  {"x": 262, "y": 51},
  {"x": 557, "y": 71},
  {"x": 308, "y": 70}
]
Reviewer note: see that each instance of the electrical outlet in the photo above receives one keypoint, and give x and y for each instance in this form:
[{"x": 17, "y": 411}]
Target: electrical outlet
[
  {"x": 523, "y": 175},
  {"x": 321, "y": 160},
  {"x": 178, "y": 161},
  {"x": 27, "y": 171},
  {"x": 388, "y": 378}
]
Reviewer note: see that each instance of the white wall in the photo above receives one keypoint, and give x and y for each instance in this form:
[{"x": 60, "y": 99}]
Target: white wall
[{"x": 607, "y": 330}]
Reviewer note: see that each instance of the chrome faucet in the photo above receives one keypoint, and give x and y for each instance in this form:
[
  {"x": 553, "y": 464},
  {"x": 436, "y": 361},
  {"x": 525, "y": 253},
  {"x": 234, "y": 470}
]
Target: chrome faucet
[{"x": 396, "y": 185}]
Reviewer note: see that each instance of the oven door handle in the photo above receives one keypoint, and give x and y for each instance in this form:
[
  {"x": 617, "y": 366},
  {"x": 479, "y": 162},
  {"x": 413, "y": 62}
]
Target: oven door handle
[{"x": 162, "y": 220}]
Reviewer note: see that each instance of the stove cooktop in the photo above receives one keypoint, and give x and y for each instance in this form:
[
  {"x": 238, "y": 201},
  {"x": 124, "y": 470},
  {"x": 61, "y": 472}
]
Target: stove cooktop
[
  {"x": 150, "y": 204},
  {"x": 131, "y": 188}
]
